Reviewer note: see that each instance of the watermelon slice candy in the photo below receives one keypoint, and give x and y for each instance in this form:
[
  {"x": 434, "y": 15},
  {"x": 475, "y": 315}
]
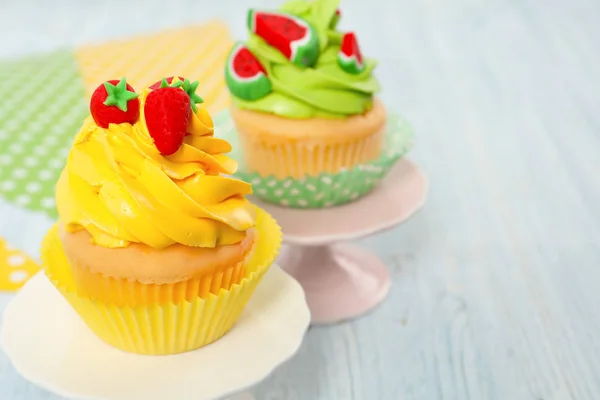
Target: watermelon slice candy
[
  {"x": 245, "y": 75},
  {"x": 295, "y": 38},
  {"x": 350, "y": 58}
]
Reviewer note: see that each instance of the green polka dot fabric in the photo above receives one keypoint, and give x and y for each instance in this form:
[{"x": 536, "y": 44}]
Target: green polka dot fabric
[
  {"x": 43, "y": 105},
  {"x": 324, "y": 190}
]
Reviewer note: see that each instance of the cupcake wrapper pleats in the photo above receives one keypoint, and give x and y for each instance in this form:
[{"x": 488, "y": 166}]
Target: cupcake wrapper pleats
[
  {"x": 133, "y": 293},
  {"x": 298, "y": 160},
  {"x": 173, "y": 327}
]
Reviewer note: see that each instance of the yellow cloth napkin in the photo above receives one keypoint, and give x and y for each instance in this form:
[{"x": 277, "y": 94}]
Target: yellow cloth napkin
[{"x": 197, "y": 53}]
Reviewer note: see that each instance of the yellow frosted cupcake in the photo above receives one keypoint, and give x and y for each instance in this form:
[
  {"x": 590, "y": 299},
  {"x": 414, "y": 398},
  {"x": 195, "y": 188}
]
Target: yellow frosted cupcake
[
  {"x": 302, "y": 95},
  {"x": 155, "y": 248}
]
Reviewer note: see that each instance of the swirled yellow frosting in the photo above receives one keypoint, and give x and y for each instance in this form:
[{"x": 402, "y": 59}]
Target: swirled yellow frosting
[{"x": 118, "y": 187}]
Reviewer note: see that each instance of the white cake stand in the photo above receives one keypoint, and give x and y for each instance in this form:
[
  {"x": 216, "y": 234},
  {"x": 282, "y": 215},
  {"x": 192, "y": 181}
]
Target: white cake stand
[
  {"x": 50, "y": 346},
  {"x": 343, "y": 281}
]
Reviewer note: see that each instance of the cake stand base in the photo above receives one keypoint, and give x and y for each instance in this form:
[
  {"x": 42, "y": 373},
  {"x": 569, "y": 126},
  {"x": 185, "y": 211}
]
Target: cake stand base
[{"x": 355, "y": 278}]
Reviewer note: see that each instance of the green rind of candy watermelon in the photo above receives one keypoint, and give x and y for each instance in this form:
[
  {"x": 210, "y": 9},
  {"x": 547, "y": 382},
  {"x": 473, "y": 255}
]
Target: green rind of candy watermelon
[
  {"x": 350, "y": 64},
  {"x": 303, "y": 51},
  {"x": 246, "y": 88}
]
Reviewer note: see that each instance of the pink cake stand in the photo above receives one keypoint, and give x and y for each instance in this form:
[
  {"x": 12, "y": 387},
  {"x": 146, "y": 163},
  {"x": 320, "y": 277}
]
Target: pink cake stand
[{"x": 343, "y": 281}]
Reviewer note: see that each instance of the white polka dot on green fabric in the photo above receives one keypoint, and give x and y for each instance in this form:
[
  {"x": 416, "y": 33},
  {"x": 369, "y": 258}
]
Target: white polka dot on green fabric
[
  {"x": 23, "y": 200},
  {"x": 45, "y": 174},
  {"x": 43, "y": 106},
  {"x": 7, "y": 186},
  {"x": 48, "y": 202},
  {"x": 33, "y": 187},
  {"x": 5, "y": 159},
  {"x": 19, "y": 173},
  {"x": 31, "y": 162}
]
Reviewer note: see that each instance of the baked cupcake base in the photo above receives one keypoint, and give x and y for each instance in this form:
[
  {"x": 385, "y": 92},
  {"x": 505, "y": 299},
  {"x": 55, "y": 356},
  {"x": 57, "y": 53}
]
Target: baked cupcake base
[
  {"x": 141, "y": 275},
  {"x": 284, "y": 147}
]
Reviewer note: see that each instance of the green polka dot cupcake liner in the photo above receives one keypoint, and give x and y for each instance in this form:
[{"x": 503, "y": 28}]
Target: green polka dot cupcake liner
[{"x": 325, "y": 189}]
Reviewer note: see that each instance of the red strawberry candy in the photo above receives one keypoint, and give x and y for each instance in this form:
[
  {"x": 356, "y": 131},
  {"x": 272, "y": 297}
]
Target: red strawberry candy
[
  {"x": 114, "y": 102},
  {"x": 167, "y": 112}
]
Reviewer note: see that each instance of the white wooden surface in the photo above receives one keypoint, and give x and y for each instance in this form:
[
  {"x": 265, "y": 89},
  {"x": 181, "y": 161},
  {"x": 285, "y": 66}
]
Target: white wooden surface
[{"x": 496, "y": 282}]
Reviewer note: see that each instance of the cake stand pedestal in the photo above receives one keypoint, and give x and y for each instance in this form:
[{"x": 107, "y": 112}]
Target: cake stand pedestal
[
  {"x": 343, "y": 281},
  {"x": 50, "y": 345}
]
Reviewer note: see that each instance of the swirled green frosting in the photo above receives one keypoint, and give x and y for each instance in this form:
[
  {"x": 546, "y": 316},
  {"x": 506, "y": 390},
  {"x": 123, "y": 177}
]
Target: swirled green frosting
[{"x": 324, "y": 90}]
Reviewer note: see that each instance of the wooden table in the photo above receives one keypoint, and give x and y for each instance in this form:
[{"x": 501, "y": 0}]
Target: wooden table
[{"x": 495, "y": 282}]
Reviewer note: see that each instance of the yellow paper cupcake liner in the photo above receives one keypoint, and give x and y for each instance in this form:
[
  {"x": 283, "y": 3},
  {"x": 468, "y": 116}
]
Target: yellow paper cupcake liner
[{"x": 169, "y": 328}]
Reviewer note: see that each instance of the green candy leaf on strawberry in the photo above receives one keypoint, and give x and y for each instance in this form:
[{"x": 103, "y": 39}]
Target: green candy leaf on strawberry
[
  {"x": 167, "y": 112},
  {"x": 184, "y": 83},
  {"x": 176, "y": 84},
  {"x": 118, "y": 95},
  {"x": 190, "y": 89},
  {"x": 165, "y": 82},
  {"x": 114, "y": 102}
]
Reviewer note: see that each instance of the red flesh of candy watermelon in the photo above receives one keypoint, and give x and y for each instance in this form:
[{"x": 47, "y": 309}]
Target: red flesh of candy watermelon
[
  {"x": 292, "y": 36},
  {"x": 283, "y": 31},
  {"x": 245, "y": 75},
  {"x": 350, "y": 47},
  {"x": 246, "y": 65}
]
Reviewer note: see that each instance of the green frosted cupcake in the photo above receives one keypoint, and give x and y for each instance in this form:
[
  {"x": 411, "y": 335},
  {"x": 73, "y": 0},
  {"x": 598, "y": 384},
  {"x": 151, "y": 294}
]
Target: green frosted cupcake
[{"x": 304, "y": 108}]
